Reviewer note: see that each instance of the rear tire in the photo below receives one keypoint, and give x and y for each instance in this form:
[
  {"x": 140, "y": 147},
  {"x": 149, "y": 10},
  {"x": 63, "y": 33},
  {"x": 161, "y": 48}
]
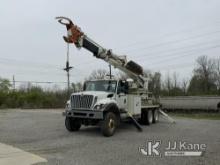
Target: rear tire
[
  {"x": 147, "y": 117},
  {"x": 72, "y": 124},
  {"x": 109, "y": 124},
  {"x": 155, "y": 116}
]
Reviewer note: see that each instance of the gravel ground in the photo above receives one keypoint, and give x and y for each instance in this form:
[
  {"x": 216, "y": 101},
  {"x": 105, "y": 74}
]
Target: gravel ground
[{"x": 42, "y": 132}]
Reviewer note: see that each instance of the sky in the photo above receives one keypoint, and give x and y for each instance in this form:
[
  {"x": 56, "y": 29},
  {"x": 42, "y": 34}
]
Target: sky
[{"x": 161, "y": 35}]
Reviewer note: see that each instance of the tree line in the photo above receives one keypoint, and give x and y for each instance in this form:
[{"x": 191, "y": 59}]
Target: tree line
[
  {"x": 205, "y": 80},
  {"x": 31, "y": 97}
]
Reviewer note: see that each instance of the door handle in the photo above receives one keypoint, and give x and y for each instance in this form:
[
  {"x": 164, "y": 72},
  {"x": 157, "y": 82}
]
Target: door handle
[{"x": 121, "y": 95}]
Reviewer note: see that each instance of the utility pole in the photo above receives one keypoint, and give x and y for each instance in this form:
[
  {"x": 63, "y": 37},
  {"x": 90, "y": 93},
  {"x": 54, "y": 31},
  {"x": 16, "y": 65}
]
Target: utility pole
[
  {"x": 67, "y": 69},
  {"x": 13, "y": 82},
  {"x": 110, "y": 71}
]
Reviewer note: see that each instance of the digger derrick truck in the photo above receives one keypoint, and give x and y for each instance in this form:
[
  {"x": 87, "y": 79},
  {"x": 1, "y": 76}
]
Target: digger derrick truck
[{"x": 108, "y": 102}]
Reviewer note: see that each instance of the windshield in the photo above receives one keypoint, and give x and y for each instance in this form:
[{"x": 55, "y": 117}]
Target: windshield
[{"x": 107, "y": 86}]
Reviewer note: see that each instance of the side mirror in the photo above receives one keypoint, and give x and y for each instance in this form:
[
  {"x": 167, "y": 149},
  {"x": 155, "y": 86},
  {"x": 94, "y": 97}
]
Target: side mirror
[
  {"x": 126, "y": 86},
  {"x": 84, "y": 86},
  {"x": 123, "y": 88},
  {"x": 110, "y": 95}
]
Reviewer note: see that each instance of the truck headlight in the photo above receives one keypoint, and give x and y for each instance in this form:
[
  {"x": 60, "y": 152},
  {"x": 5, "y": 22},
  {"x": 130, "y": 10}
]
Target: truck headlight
[
  {"x": 67, "y": 106},
  {"x": 99, "y": 106}
]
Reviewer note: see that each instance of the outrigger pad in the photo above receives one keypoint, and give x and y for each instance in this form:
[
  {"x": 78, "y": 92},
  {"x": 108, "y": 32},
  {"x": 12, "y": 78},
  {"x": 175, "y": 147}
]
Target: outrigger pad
[{"x": 134, "y": 67}]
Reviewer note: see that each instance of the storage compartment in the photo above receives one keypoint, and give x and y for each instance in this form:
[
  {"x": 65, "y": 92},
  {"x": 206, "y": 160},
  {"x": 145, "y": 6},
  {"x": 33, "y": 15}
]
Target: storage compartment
[{"x": 134, "y": 104}]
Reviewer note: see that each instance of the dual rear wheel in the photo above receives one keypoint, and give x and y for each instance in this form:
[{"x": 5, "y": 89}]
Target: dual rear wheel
[
  {"x": 110, "y": 122},
  {"x": 149, "y": 116}
]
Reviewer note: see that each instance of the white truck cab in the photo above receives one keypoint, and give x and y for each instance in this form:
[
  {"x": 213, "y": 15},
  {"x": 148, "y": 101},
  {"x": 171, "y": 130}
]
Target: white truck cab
[{"x": 108, "y": 102}]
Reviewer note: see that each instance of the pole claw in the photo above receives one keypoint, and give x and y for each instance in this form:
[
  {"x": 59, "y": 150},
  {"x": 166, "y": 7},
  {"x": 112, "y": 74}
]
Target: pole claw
[{"x": 64, "y": 21}]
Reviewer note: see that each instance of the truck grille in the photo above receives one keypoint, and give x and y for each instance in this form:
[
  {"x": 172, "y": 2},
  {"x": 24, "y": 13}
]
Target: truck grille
[{"x": 81, "y": 101}]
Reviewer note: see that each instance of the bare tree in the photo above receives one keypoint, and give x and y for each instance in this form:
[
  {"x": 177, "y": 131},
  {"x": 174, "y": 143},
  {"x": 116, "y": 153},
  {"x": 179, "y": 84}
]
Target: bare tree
[
  {"x": 121, "y": 75},
  {"x": 98, "y": 74},
  {"x": 184, "y": 85},
  {"x": 4, "y": 85},
  {"x": 155, "y": 83},
  {"x": 168, "y": 83},
  {"x": 217, "y": 72},
  {"x": 206, "y": 71},
  {"x": 148, "y": 73}
]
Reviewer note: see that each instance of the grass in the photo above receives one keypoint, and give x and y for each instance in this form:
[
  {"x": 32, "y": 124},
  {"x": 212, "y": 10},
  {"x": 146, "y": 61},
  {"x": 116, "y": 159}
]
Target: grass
[{"x": 199, "y": 115}]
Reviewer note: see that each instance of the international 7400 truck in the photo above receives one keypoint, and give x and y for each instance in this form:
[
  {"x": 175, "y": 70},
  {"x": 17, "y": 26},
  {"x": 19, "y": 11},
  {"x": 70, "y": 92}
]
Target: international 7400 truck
[{"x": 107, "y": 102}]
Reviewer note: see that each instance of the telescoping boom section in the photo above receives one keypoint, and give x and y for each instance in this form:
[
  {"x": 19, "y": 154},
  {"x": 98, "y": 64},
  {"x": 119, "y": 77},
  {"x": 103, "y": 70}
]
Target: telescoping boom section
[{"x": 77, "y": 37}]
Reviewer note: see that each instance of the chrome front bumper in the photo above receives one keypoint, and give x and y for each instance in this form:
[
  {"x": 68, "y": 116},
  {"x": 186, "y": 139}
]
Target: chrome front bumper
[{"x": 86, "y": 114}]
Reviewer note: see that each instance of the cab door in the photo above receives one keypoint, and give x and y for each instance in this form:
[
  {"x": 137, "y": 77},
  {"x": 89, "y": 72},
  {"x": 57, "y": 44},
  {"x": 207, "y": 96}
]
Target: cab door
[{"x": 122, "y": 97}]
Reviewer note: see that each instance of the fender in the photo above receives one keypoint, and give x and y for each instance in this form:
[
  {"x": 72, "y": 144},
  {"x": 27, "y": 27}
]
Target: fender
[{"x": 112, "y": 107}]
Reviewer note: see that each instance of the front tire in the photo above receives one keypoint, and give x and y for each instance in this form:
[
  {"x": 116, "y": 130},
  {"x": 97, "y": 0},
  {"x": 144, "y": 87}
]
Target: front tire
[
  {"x": 109, "y": 124},
  {"x": 72, "y": 124}
]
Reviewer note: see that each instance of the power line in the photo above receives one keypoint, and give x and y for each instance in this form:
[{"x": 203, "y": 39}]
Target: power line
[
  {"x": 169, "y": 34},
  {"x": 177, "y": 57},
  {"x": 3, "y": 60},
  {"x": 162, "y": 53},
  {"x": 169, "y": 42},
  {"x": 157, "y": 45},
  {"x": 44, "y": 72},
  {"x": 186, "y": 53},
  {"x": 39, "y": 82},
  {"x": 174, "y": 41},
  {"x": 15, "y": 62},
  {"x": 175, "y": 66},
  {"x": 160, "y": 44},
  {"x": 161, "y": 56}
]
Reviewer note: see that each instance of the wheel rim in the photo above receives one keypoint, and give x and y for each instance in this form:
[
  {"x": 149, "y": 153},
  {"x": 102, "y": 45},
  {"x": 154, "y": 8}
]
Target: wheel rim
[
  {"x": 111, "y": 124},
  {"x": 150, "y": 116},
  {"x": 156, "y": 115}
]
